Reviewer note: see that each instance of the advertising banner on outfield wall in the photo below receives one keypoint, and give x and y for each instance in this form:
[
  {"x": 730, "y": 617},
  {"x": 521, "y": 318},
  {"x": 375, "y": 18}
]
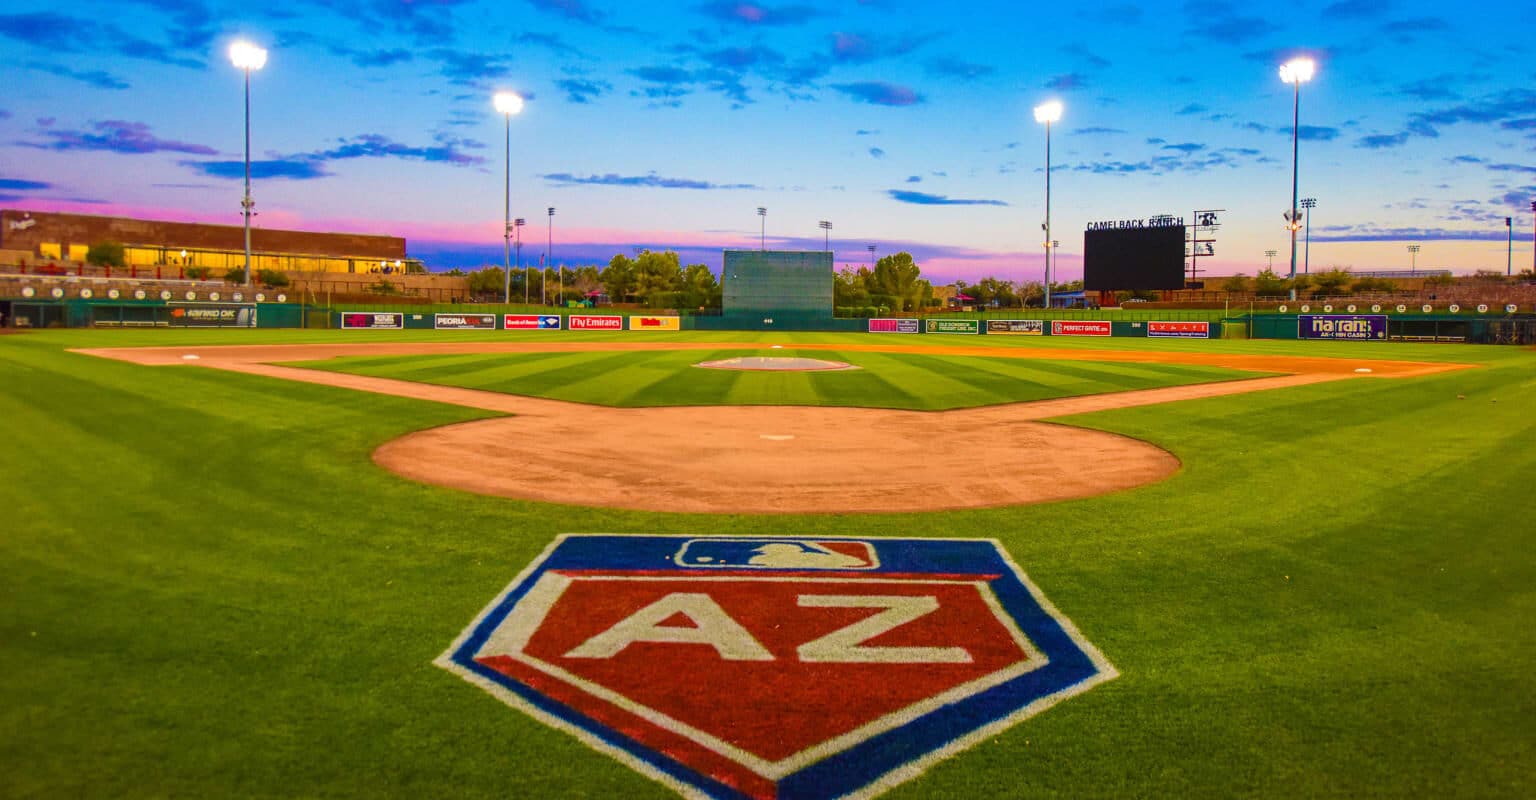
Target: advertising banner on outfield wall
[
  {"x": 1179, "y": 330},
  {"x": 1360, "y": 327},
  {"x": 530, "y": 322},
  {"x": 1088, "y": 327},
  {"x": 589, "y": 322},
  {"x": 894, "y": 326},
  {"x": 208, "y": 315},
  {"x": 637, "y": 323},
  {"x": 357, "y": 321},
  {"x": 464, "y": 322},
  {"x": 1015, "y": 327},
  {"x": 952, "y": 325}
]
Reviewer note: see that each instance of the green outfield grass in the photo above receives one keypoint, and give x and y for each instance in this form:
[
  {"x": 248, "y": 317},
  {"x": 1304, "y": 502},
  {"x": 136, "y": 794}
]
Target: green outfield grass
[
  {"x": 662, "y": 378},
  {"x": 207, "y": 589}
]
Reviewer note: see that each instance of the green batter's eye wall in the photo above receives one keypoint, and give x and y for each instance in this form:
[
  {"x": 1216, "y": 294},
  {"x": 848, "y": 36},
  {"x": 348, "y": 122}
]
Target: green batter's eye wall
[{"x": 771, "y": 284}]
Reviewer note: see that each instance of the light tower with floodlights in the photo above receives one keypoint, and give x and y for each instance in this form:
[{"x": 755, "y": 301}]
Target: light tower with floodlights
[
  {"x": 1048, "y": 113},
  {"x": 1295, "y": 72},
  {"x": 246, "y": 56},
  {"x": 508, "y": 103}
]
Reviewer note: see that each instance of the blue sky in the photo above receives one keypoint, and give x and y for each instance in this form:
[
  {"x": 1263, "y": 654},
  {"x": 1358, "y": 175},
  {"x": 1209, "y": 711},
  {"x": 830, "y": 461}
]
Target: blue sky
[{"x": 907, "y": 125}]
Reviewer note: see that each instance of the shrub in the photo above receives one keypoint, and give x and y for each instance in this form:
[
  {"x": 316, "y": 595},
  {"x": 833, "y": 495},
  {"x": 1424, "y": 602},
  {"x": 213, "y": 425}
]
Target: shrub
[{"x": 106, "y": 254}]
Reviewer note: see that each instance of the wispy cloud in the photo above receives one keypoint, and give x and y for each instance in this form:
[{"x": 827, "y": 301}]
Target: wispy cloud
[
  {"x": 926, "y": 199},
  {"x": 950, "y": 67},
  {"x": 1185, "y": 147},
  {"x": 1358, "y": 9},
  {"x": 749, "y": 13},
  {"x": 880, "y": 93},
  {"x": 1071, "y": 81},
  {"x": 96, "y": 78},
  {"x": 876, "y": 152},
  {"x": 298, "y": 169},
  {"x": 648, "y": 181},
  {"x": 463, "y": 68},
  {"x": 580, "y": 90},
  {"x": 19, "y": 185},
  {"x": 117, "y": 136},
  {"x": 1382, "y": 141},
  {"x": 1372, "y": 233}
]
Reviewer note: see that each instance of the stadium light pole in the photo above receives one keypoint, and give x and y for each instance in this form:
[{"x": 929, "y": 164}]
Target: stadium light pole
[
  {"x": 247, "y": 57},
  {"x": 517, "y": 227},
  {"x": 1271, "y": 255},
  {"x": 871, "y": 249},
  {"x": 549, "y": 253},
  {"x": 508, "y": 103},
  {"x": 1413, "y": 255},
  {"x": 1509, "y": 251},
  {"x": 1295, "y": 72},
  {"x": 826, "y": 235},
  {"x": 762, "y": 234},
  {"x": 1048, "y": 113},
  {"x": 1308, "y": 203},
  {"x": 1533, "y": 239}
]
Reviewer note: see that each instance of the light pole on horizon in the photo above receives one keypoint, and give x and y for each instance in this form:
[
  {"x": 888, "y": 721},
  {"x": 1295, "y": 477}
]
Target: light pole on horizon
[
  {"x": 1295, "y": 72},
  {"x": 1413, "y": 255},
  {"x": 1271, "y": 255},
  {"x": 517, "y": 245},
  {"x": 1048, "y": 113},
  {"x": 1533, "y": 239},
  {"x": 247, "y": 57},
  {"x": 762, "y": 234},
  {"x": 826, "y": 235},
  {"x": 871, "y": 249},
  {"x": 549, "y": 256},
  {"x": 1509, "y": 252},
  {"x": 1055, "y": 245},
  {"x": 508, "y": 103},
  {"x": 1308, "y": 203}
]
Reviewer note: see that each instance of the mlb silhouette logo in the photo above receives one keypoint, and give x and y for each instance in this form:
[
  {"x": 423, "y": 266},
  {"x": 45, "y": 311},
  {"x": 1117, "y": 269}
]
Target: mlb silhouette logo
[{"x": 776, "y": 667}]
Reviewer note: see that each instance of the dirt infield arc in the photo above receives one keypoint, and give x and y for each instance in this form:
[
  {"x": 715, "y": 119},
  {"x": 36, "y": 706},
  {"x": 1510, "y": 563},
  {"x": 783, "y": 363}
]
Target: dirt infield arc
[{"x": 772, "y": 459}]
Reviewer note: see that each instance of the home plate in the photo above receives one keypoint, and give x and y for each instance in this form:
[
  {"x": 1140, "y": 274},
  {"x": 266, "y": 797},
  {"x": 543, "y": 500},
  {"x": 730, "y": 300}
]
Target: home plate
[
  {"x": 1363, "y": 369},
  {"x": 190, "y": 357},
  {"x": 777, "y": 347},
  {"x": 776, "y": 437}
]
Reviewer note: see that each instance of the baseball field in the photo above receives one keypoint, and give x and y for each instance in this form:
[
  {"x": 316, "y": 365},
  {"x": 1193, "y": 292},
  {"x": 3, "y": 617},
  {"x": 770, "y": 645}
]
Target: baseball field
[{"x": 231, "y": 575}]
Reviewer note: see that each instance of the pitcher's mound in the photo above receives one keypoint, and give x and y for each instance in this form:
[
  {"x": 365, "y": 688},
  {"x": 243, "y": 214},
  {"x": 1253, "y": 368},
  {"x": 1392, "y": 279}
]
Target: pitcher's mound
[{"x": 776, "y": 363}]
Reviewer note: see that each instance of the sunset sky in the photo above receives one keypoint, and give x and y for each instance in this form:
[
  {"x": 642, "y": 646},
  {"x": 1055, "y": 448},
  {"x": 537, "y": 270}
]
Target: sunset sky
[{"x": 907, "y": 125}]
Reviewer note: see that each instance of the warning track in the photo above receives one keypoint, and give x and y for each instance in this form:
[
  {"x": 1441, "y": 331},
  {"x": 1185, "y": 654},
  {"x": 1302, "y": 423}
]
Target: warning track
[{"x": 773, "y": 459}]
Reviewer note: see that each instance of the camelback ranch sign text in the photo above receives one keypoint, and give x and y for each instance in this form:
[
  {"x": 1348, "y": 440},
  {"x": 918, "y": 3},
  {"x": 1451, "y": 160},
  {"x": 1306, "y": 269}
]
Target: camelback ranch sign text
[
  {"x": 776, "y": 666},
  {"x": 1362, "y": 327},
  {"x": 952, "y": 325}
]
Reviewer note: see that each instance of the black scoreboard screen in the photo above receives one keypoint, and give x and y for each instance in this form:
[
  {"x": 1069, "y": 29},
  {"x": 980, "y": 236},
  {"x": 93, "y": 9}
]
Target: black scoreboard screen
[{"x": 1134, "y": 258}]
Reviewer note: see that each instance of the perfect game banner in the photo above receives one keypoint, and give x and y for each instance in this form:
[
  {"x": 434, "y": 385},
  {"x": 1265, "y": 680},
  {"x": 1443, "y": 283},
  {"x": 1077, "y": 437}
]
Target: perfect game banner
[{"x": 1353, "y": 327}]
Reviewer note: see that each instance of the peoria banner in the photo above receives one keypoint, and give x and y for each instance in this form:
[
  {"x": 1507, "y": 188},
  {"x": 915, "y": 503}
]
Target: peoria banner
[
  {"x": 357, "y": 320},
  {"x": 1356, "y": 327},
  {"x": 639, "y": 323},
  {"x": 1092, "y": 327},
  {"x": 1015, "y": 327},
  {"x": 464, "y": 322},
  {"x": 952, "y": 325},
  {"x": 1179, "y": 330},
  {"x": 894, "y": 326},
  {"x": 208, "y": 315}
]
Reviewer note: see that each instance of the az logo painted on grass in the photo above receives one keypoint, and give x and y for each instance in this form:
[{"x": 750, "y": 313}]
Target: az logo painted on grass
[{"x": 777, "y": 666}]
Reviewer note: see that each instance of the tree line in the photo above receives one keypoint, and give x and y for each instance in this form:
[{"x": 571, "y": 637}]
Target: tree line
[{"x": 651, "y": 279}]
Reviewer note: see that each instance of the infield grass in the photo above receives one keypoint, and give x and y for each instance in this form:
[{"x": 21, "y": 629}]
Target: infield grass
[
  {"x": 669, "y": 378},
  {"x": 208, "y": 589}
]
